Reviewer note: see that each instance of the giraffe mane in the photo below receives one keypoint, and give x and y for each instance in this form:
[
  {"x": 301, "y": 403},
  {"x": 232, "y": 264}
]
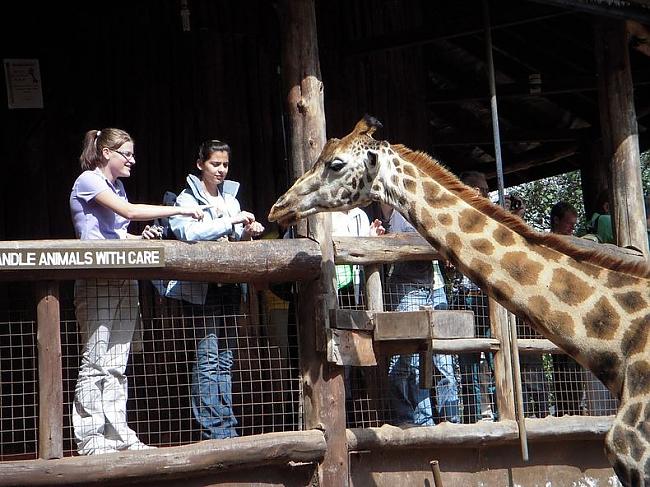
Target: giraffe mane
[{"x": 433, "y": 168}]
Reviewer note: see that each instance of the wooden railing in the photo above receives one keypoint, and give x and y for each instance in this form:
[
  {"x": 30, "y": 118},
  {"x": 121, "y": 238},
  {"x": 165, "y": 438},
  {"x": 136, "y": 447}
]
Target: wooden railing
[{"x": 259, "y": 262}]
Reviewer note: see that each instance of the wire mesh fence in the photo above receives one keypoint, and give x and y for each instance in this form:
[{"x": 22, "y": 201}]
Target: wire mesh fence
[
  {"x": 236, "y": 357},
  {"x": 463, "y": 385},
  {"x": 225, "y": 368},
  {"x": 18, "y": 384}
]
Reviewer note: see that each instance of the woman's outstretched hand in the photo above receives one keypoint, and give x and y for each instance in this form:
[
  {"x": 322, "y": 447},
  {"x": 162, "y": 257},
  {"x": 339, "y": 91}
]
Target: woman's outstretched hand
[{"x": 195, "y": 212}]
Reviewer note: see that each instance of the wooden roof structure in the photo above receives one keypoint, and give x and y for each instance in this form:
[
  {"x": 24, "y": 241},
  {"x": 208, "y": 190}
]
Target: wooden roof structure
[{"x": 418, "y": 66}]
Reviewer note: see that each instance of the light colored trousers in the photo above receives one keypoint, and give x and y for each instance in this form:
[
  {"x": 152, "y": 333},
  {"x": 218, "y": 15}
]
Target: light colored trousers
[{"x": 107, "y": 313}]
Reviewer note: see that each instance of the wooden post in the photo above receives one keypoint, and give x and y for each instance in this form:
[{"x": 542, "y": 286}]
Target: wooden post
[
  {"x": 50, "y": 383},
  {"x": 619, "y": 127},
  {"x": 502, "y": 362},
  {"x": 377, "y": 377},
  {"x": 323, "y": 386}
]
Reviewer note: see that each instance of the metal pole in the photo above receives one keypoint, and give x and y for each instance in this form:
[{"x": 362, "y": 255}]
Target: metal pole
[
  {"x": 514, "y": 349},
  {"x": 493, "y": 101},
  {"x": 435, "y": 469},
  {"x": 516, "y": 371}
]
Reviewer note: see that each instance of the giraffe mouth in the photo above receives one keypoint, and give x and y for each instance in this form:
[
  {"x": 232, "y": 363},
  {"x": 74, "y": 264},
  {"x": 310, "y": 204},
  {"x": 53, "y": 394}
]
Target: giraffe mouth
[
  {"x": 283, "y": 216},
  {"x": 288, "y": 217}
]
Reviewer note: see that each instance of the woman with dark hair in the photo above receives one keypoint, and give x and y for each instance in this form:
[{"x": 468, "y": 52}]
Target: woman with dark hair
[
  {"x": 210, "y": 303},
  {"x": 107, "y": 309}
]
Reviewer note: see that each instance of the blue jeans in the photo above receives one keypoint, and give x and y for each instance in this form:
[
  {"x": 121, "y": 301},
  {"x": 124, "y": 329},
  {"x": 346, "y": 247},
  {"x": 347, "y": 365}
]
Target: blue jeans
[
  {"x": 411, "y": 403},
  {"x": 470, "y": 363},
  {"x": 211, "y": 374}
]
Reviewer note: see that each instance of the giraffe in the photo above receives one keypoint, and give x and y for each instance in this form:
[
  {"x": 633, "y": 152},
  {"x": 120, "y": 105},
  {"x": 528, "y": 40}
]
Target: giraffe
[{"x": 592, "y": 305}]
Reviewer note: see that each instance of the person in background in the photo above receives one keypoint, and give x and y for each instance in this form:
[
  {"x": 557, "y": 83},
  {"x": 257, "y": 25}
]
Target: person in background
[
  {"x": 208, "y": 304},
  {"x": 107, "y": 309},
  {"x": 416, "y": 284},
  {"x": 600, "y": 223},
  {"x": 352, "y": 223},
  {"x": 563, "y": 218}
]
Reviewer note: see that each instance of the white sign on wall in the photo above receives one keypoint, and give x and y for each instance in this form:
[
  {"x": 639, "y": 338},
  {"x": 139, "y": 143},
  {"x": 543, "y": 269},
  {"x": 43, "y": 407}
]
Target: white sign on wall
[{"x": 23, "y": 80}]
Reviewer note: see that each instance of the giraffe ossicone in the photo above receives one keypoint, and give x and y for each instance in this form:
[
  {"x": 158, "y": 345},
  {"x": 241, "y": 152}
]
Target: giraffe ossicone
[{"x": 594, "y": 306}]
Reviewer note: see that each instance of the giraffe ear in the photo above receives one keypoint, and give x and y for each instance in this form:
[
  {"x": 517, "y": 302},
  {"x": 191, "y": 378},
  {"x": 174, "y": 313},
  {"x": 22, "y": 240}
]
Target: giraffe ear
[{"x": 367, "y": 126}]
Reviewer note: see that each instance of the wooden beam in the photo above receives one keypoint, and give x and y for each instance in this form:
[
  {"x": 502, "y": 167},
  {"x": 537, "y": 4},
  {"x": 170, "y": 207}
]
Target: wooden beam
[
  {"x": 537, "y": 159},
  {"x": 205, "y": 457},
  {"x": 481, "y": 434},
  {"x": 254, "y": 261},
  {"x": 395, "y": 247}
]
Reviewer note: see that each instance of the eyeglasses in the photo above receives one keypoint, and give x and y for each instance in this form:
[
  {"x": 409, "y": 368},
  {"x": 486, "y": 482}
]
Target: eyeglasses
[{"x": 126, "y": 154}]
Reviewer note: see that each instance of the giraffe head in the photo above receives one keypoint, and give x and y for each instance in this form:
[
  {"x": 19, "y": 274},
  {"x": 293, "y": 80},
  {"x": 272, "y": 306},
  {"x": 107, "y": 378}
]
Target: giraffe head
[{"x": 342, "y": 177}]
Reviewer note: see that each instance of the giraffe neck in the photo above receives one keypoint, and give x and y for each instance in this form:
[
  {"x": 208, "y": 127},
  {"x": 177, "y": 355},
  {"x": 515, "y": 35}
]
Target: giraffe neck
[{"x": 568, "y": 301}]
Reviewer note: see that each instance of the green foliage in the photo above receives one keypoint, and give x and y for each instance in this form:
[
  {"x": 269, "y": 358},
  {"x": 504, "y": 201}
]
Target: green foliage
[{"x": 540, "y": 196}]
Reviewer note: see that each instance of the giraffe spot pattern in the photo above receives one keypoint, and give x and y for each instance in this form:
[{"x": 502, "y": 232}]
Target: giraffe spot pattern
[
  {"x": 445, "y": 200},
  {"x": 445, "y": 219},
  {"x": 563, "y": 324},
  {"x": 353, "y": 183},
  {"x": 394, "y": 179},
  {"x": 545, "y": 252},
  {"x": 636, "y": 446},
  {"x": 502, "y": 291},
  {"x": 504, "y": 236},
  {"x": 637, "y": 378},
  {"x": 426, "y": 219},
  {"x": 605, "y": 366},
  {"x": 472, "y": 221},
  {"x": 396, "y": 162},
  {"x": 410, "y": 185},
  {"x": 483, "y": 245},
  {"x": 630, "y": 301},
  {"x": 430, "y": 189},
  {"x": 569, "y": 288},
  {"x": 602, "y": 321},
  {"x": 619, "y": 440},
  {"x": 522, "y": 269},
  {"x": 618, "y": 279},
  {"x": 538, "y": 306},
  {"x": 409, "y": 170},
  {"x": 632, "y": 415},
  {"x": 454, "y": 243},
  {"x": 636, "y": 337},
  {"x": 481, "y": 268},
  {"x": 589, "y": 269}
]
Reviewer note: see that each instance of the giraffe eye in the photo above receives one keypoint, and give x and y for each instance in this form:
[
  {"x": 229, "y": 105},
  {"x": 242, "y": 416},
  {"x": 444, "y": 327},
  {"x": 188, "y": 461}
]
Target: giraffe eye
[{"x": 336, "y": 165}]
